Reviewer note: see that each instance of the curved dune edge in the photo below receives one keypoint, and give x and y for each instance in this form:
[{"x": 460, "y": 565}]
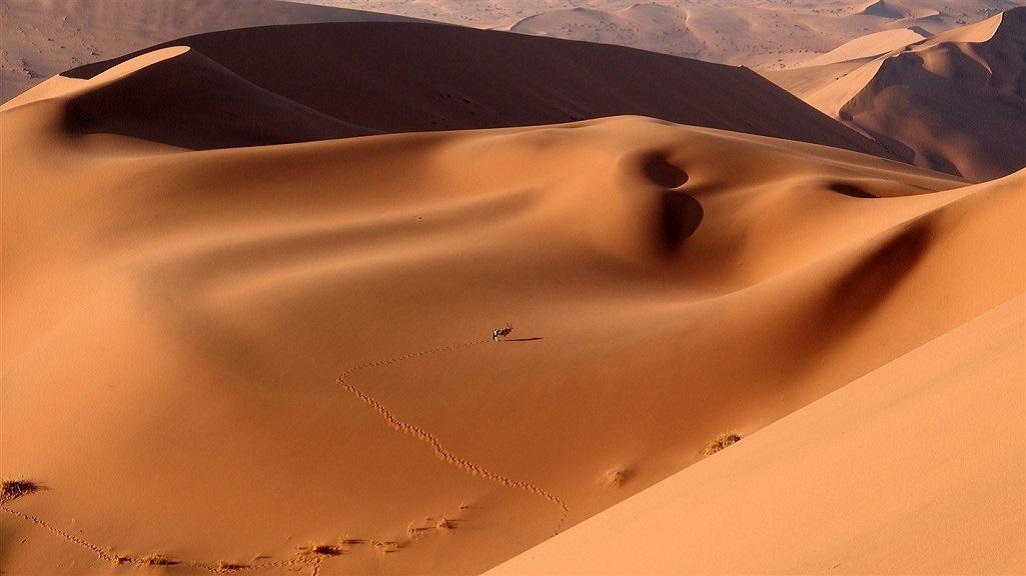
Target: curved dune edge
[
  {"x": 184, "y": 317},
  {"x": 916, "y": 467}
]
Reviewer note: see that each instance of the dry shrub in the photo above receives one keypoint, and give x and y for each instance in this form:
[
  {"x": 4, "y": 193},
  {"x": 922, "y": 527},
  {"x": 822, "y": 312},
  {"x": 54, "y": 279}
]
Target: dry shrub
[
  {"x": 721, "y": 441},
  {"x": 17, "y": 488}
]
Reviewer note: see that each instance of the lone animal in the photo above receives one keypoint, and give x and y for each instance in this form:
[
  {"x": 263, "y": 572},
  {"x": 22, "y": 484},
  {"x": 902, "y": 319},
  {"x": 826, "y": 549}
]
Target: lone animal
[{"x": 502, "y": 332}]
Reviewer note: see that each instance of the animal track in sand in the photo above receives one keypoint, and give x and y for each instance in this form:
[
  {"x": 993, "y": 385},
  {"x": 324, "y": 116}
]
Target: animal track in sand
[
  {"x": 441, "y": 452},
  {"x": 314, "y": 561}
]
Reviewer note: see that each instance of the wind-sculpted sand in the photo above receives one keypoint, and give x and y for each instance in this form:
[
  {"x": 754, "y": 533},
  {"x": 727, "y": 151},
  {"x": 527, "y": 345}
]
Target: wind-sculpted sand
[
  {"x": 954, "y": 102},
  {"x": 245, "y": 330}
]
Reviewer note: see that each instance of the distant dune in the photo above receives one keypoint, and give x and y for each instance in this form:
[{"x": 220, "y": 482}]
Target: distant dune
[
  {"x": 41, "y": 39},
  {"x": 279, "y": 356},
  {"x": 954, "y": 103},
  {"x": 759, "y": 35},
  {"x": 413, "y": 77}
]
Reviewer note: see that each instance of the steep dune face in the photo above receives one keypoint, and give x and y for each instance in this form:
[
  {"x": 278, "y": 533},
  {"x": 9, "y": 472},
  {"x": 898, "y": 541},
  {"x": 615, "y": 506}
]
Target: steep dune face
[
  {"x": 226, "y": 354},
  {"x": 189, "y": 101},
  {"x": 954, "y": 103},
  {"x": 41, "y": 39},
  {"x": 413, "y": 77}
]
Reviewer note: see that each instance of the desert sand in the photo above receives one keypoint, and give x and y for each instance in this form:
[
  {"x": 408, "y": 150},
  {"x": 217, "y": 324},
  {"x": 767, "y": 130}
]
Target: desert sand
[
  {"x": 761, "y": 35},
  {"x": 250, "y": 282},
  {"x": 953, "y": 102},
  {"x": 915, "y": 468}
]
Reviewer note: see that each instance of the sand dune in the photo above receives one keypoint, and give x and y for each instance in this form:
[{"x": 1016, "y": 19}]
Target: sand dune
[
  {"x": 229, "y": 354},
  {"x": 956, "y": 103},
  {"x": 759, "y": 35},
  {"x": 953, "y": 103},
  {"x": 41, "y": 39},
  {"x": 916, "y": 467},
  {"x": 869, "y": 46},
  {"x": 249, "y": 280},
  {"x": 412, "y": 77}
]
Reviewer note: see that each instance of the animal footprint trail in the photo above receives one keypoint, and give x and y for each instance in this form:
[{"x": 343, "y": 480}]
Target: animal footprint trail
[
  {"x": 440, "y": 451},
  {"x": 315, "y": 563},
  {"x": 113, "y": 558},
  {"x": 69, "y": 537}
]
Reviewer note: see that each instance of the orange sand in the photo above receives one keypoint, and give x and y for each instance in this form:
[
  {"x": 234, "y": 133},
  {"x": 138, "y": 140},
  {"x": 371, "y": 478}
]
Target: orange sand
[{"x": 225, "y": 339}]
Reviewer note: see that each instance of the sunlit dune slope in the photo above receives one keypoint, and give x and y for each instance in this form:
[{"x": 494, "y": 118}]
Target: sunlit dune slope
[
  {"x": 229, "y": 354},
  {"x": 402, "y": 77},
  {"x": 954, "y": 103},
  {"x": 914, "y": 468}
]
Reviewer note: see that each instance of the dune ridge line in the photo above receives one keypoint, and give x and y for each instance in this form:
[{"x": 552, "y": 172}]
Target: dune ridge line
[{"x": 423, "y": 435}]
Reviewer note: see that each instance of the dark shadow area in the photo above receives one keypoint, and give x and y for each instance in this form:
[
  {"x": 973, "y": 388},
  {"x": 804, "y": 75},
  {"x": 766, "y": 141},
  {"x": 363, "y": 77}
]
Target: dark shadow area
[
  {"x": 190, "y": 102},
  {"x": 679, "y": 217},
  {"x": 522, "y": 339},
  {"x": 662, "y": 173},
  {"x": 850, "y": 190},
  {"x": 856, "y": 294}
]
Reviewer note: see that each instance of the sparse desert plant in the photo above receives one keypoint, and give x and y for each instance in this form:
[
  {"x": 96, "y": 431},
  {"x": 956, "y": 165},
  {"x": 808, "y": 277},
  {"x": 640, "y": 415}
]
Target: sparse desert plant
[
  {"x": 321, "y": 549},
  {"x": 721, "y": 441},
  {"x": 17, "y": 488},
  {"x": 157, "y": 560},
  {"x": 119, "y": 558}
]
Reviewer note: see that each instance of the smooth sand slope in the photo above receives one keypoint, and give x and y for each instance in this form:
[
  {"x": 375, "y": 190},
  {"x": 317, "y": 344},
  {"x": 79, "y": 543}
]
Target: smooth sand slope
[
  {"x": 230, "y": 354},
  {"x": 915, "y": 468},
  {"x": 954, "y": 103},
  {"x": 39, "y": 39},
  {"x": 402, "y": 77}
]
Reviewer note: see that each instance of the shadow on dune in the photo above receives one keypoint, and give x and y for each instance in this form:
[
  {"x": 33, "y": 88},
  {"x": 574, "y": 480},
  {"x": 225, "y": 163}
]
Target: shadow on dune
[
  {"x": 680, "y": 216},
  {"x": 401, "y": 77},
  {"x": 853, "y": 297},
  {"x": 850, "y": 190},
  {"x": 189, "y": 101}
]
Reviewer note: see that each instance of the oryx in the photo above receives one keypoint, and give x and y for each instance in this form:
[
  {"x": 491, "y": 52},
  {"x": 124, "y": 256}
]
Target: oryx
[{"x": 501, "y": 332}]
